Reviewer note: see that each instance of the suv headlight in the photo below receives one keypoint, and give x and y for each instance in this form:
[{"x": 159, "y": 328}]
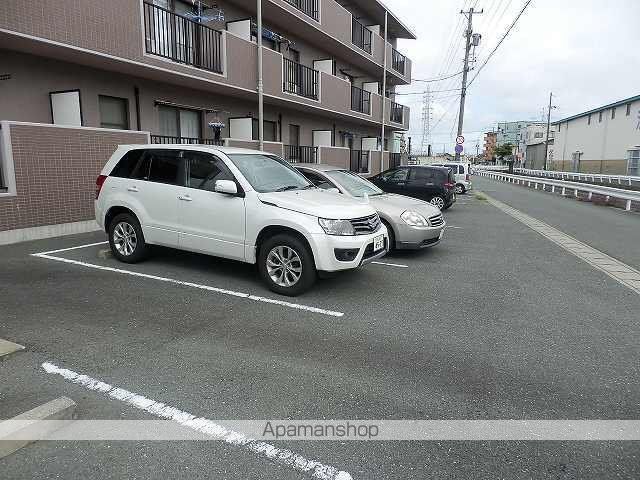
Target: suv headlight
[
  {"x": 336, "y": 227},
  {"x": 414, "y": 219}
]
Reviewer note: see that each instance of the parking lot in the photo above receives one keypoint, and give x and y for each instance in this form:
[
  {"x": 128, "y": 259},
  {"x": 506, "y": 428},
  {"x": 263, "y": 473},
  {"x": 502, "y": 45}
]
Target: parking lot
[{"x": 496, "y": 322}]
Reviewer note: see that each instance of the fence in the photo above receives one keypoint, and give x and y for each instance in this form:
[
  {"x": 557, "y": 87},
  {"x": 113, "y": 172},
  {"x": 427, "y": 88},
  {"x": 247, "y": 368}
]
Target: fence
[
  {"x": 308, "y": 7},
  {"x": 398, "y": 61},
  {"x": 361, "y": 36},
  {"x": 397, "y": 112},
  {"x": 359, "y": 161},
  {"x": 300, "y": 79},
  {"x": 301, "y": 154},
  {"x": 622, "y": 180},
  {"x": 360, "y": 100}
]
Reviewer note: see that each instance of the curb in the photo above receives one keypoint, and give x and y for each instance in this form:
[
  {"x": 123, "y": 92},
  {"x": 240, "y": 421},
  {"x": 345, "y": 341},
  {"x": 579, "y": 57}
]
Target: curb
[{"x": 62, "y": 408}]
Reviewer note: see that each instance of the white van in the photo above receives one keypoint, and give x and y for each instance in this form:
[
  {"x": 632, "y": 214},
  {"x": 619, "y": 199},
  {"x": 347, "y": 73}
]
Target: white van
[
  {"x": 235, "y": 203},
  {"x": 462, "y": 172}
]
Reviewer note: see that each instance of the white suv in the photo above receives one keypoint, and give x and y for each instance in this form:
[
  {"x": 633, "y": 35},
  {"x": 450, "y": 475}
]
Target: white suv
[{"x": 234, "y": 203}]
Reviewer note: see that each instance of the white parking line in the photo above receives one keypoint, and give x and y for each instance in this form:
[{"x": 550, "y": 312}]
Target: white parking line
[
  {"x": 72, "y": 248},
  {"x": 619, "y": 271},
  {"x": 209, "y": 288},
  {"x": 391, "y": 264},
  {"x": 203, "y": 425}
]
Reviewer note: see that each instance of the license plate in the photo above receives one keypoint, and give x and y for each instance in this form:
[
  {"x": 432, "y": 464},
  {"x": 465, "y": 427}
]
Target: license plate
[{"x": 378, "y": 243}]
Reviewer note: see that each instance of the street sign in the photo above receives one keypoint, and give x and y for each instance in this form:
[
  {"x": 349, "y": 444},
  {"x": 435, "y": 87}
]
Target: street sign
[
  {"x": 459, "y": 148},
  {"x": 459, "y": 139}
]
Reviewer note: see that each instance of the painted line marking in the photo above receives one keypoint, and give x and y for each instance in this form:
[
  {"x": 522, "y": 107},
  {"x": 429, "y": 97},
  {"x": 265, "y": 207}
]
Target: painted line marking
[
  {"x": 391, "y": 264},
  {"x": 619, "y": 271},
  {"x": 202, "y": 425},
  {"x": 72, "y": 248},
  {"x": 208, "y": 288},
  {"x": 453, "y": 226}
]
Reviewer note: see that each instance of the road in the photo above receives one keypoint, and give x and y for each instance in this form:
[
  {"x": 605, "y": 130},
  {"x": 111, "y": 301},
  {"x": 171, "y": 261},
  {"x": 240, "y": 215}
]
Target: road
[{"x": 497, "y": 322}]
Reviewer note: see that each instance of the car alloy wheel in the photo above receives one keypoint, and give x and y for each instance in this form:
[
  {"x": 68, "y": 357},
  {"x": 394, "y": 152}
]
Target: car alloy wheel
[
  {"x": 125, "y": 239},
  {"x": 459, "y": 189},
  {"x": 437, "y": 202},
  {"x": 284, "y": 266}
]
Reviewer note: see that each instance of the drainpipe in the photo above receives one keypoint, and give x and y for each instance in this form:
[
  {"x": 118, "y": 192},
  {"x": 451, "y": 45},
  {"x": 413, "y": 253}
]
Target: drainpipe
[
  {"x": 384, "y": 93},
  {"x": 260, "y": 83},
  {"x": 136, "y": 94}
]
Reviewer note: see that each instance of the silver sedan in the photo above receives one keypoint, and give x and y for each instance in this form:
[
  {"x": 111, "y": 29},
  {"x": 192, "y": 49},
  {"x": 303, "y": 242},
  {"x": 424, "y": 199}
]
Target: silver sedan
[{"x": 411, "y": 223}]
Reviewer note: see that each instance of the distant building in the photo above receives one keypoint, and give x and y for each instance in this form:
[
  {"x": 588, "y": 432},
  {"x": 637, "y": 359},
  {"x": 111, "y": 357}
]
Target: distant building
[
  {"x": 603, "y": 140},
  {"x": 430, "y": 159},
  {"x": 490, "y": 139},
  {"x": 532, "y": 137}
]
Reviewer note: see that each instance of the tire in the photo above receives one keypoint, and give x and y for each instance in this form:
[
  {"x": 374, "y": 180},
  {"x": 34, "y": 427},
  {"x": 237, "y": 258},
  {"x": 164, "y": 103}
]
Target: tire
[
  {"x": 296, "y": 254},
  {"x": 460, "y": 189},
  {"x": 126, "y": 239},
  {"x": 438, "y": 202},
  {"x": 392, "y": 236}
]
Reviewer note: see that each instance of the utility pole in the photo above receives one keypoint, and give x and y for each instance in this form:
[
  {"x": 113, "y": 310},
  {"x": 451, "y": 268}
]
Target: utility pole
[
  {"x": 465, "y": 70},
  {"x": 426, "y": 122},
  {"x": 546, "y": 140},
  {"x": 384, "y": 93},
  {"x": 260, "y": 80}
]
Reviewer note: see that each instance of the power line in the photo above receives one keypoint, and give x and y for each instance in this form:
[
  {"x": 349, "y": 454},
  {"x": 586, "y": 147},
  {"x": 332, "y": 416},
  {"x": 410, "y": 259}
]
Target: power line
[
  {"x": 437, "y": 79},
  {"x": 501, "y": 40}
]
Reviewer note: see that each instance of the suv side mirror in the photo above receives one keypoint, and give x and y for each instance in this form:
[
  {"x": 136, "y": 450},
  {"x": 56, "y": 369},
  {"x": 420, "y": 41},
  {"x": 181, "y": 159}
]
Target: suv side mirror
[{"x": 228, "y": 187}]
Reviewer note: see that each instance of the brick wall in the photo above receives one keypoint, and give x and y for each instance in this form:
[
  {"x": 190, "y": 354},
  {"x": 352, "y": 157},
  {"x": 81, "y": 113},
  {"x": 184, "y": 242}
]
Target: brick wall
[{"x": 55, "y": 172}]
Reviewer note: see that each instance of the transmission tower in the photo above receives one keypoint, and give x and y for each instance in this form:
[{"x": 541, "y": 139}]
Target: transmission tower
[{"x": 426, "y": 123}]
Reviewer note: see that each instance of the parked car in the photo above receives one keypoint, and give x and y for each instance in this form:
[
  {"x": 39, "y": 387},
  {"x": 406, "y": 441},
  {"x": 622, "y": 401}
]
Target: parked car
[
  {"x": 462, "y": 173},
  {"x": 233, "y": 203},
  {"x": 411, "y": 223},
  {"x": 435, "y": 185}
]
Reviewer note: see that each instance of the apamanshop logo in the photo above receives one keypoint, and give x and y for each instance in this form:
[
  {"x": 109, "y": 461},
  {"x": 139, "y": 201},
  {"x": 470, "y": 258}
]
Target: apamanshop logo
[{"x": 331, "y": 430}]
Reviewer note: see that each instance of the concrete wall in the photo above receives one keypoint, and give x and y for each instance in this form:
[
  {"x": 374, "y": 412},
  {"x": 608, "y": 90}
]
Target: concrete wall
[
  {"x": 55, "y": 172},
  {"x": 335, "y": 156}
]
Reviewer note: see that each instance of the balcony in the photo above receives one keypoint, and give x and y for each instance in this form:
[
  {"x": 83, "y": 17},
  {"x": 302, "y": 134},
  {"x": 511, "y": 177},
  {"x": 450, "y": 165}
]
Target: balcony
[
  {"x": 167, "y": 139},
  {"x": 300, "y": 154},
  {"x": 359, "y": 161},
  {"x": 300, "y": 79},
  {"x": 360, "y": 100},
  {"x": 398, "y": 61},
  {"x": 361, "y": 36},
  {"x": 396, "y": 115},
  {"x": 308, "y": 7},
  {"x": 182, "y": 40}
]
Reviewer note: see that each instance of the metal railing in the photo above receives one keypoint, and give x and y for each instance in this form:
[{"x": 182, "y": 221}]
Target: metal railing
[
  {"x": 308, "y": 7},
  {"x": 622, "y": 180},
  {"x": 397, "y": 113},
  {"x": 300, "y": 154},
  {"x": 360, "y": 100},
  {"x": 168, "y": 139},
  {"x": 359, "y": 161},
  {"x": 182, "y": 40},
  {"x": 628, "y": 196},
  {"x": 300, "y": 79},
  {"x": 398, "y": 61},
  {"x": 395, "y": 160},
  {"x": 361, "y": 36}
]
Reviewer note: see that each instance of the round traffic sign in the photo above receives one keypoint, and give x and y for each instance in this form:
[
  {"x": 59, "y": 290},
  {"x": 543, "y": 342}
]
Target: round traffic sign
[
  {"x": 459, "y": 148},
  {"x": 459, "y": 139}
]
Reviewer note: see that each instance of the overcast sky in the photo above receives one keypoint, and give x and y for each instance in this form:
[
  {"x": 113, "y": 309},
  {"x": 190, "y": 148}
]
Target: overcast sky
[{"x": 586, "y": 51}]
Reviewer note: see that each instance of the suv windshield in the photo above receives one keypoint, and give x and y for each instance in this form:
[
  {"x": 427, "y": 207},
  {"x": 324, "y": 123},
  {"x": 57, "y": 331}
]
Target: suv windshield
[
  {"x": 269, "y": 174},
  {"x": 354, "y": 184}
]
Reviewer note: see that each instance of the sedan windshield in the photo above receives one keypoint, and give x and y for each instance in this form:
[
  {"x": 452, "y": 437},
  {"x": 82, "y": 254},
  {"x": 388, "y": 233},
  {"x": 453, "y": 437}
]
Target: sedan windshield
[
  {"x": 354, "y": 184},
  {"x": 269, "y": 174}
]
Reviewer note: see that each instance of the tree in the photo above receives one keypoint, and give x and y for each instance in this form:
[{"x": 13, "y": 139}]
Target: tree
[{"x": 505, "y": 150}]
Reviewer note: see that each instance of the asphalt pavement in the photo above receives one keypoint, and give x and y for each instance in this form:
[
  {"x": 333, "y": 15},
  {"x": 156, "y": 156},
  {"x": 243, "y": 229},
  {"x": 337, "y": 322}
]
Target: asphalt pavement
[{"x": 496, "y": 322}]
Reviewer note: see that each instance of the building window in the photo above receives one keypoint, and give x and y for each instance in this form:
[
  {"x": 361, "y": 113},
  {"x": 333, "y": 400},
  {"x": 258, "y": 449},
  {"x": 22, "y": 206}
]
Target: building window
[
  {"x": 633, "y": 166},
  {"x": 270, "y": 130},
  {"x": 613, "y": 113},
  {"x": 600, "y": 117},
  {"x": 628, "y": 109},
  {"x": 589, "y": 120},
  {"x": 179, "y": 122},
  {"x": 537, "y": 135},
  {"x": 114, "y": 112}
]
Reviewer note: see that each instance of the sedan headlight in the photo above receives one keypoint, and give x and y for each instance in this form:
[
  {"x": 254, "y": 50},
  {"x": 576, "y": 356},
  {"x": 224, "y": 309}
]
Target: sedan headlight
[
  {"x": 336, "y": 227},
  {"x": 414, "y": 219}
]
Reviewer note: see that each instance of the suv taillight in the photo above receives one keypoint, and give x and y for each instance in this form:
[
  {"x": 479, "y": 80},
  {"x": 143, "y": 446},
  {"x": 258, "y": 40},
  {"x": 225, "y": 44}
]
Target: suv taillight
[
  {"x": 467, "y": 177},
  {"x": 449, "y": 185},
  {"x": 99, "y": 182}
]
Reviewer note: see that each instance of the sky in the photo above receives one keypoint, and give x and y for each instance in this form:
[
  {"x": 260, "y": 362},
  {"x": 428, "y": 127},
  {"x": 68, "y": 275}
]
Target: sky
[{"x": 587, "y": 52}]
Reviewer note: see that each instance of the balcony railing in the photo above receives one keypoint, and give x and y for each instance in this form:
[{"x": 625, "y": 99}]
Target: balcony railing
[
  {"x": 398, "y": 61},
  {"x": 360, "y": 100},
  {"x": 301, "y": 154},
  {"x": 182, "y": 40},
  {"x": 308, "y": 7},
  {"x": 397, "y": 113},
  {"x": 395, "y": 160},
  {"x": 361, "y": 36},
  {"x": 300, "y": 79},
  {"x": 359, "y": 161},
  {"x": 167, "y": 139}
]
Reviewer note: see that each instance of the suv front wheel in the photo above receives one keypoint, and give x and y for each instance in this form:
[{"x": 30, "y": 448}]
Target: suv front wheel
[
  {"x": 286, "y": 265},
  {"x": 126, "y": 239}
]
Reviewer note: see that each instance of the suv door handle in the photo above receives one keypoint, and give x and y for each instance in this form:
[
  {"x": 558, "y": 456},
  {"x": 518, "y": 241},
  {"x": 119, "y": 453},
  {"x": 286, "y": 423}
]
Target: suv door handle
[
  {"x": 185, "y": 198},
  {"x": 133, "y": 189}
]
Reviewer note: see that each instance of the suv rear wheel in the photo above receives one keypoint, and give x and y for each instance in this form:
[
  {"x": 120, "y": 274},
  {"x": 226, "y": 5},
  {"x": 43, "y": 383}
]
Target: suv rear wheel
[
  {"x": 126, "y": 239},
  {"x": 286, "y": 265},
  {"x": 460, "y": 188},
  {"x": 437, "y": 201}
]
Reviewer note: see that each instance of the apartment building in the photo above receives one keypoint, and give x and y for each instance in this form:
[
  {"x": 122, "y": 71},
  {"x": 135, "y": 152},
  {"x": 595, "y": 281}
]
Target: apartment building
[
  {"x": 176, "y": 71},
  {"x": 602, "y": 140},
  {"x": 490, "y": 140}
]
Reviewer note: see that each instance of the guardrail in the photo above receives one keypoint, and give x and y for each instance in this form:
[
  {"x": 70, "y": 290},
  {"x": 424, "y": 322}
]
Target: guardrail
[
  {"x": 582, "y": 177},
  {"x": 609, "y": 192}
]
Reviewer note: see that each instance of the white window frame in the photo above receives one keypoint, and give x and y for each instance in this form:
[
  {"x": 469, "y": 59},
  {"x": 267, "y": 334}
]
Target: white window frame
[{"x": 637, "y": 168}]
